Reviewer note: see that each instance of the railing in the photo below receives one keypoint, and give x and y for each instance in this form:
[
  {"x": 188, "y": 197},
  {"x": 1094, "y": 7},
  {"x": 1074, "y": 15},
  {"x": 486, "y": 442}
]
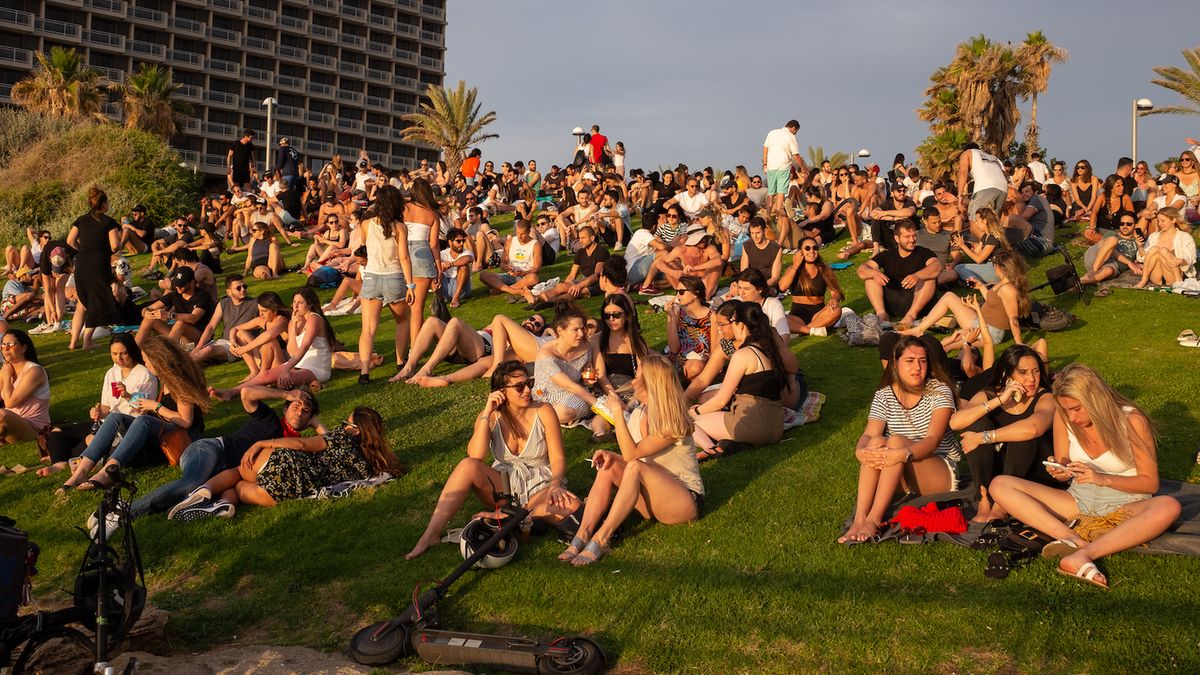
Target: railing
[
  {"x": 145, "y": 14},
  {"x": 103, "y": 39},
  {"x": 407, "y": 4},
  {"x": 251, "y": 104},
  {"x": 214, "y": 96},
  {"x": 348, "y": 124},
  {"x": 6, "y": 91},
  {"x": 319, "y": 148},
  {"x": 407, "y": 29},
  {"x": 346, "y": 152},
  {"x": 375, "y": 130},
  {"x": 434, "y": 12},
  {"x": 349, "y": 68},
  {"x": 289, "y": 112},
  {"x": 320, "y": 59},
  {"x": 112, "y": 7},
  {"x": 397, "y": 133},
  {"x": 430, "y": 62},
  {"x": 260, "y": 13},
  {"x": 296, "y": 23},
  {"x": 328, "y": 4},
  {"x": 403, "y": 108},
  {"x": 60, "y": 29},
  {"x": 349, "y": 96},
  {"x": 406, "y": 82},
  {"x": 378, "y": 103},
  {"x": 182, "y": 56},
  {"x": 188, "y": 156},
  {"x": 213, "y": 160},
  {"x": 290, "y": 52},
  {"x": 115, "y": 76},
  {"x": 289, "y": 81},
  {"x": 225, "y": 35},
  {"x": 258, "y": 74},
  {"x": 353, "y": 40},
  {"x": 378, "y": 75},
  {"x": 233, "y": 6},
  {"x": 188, "y": 25},
  {"x": 112, "y": 109},
  {"x": 379, "y": 48},
  {"x": 352, "y": 11},
  {"x": 190, "y": 92},
  {"x": 13, "y": 17},
  {"x": 20, "y": 57},
  {"x": 218, "y": 129},
  {"x": 404, "y": 55},
  {"x": 143, "y": 47},
  {"x": 385, "y": 22},
  {"x": 318, "y": 117},
  {"x": 223, "y": 66},
  {"x": 325, "y": 32},
  {"x": 319, "y": 88},
  {"x": 258, "y": 43},
  {"x": 430, "y": 36}
]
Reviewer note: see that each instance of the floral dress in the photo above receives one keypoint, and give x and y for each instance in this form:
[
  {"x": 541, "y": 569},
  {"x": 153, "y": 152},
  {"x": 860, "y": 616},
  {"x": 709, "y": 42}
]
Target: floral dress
[
  {"x": 695, "y": 336},
  {"x": 288, "y": 474}
]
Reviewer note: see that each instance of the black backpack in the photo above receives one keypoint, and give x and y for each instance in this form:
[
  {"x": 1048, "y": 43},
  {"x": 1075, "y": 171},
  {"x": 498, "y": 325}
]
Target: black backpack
[{"x": 18, "y": 560}]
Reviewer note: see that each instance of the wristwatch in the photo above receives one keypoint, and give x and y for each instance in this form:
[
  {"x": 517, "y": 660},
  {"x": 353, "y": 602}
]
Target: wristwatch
[{"x": 908, "y": 456}]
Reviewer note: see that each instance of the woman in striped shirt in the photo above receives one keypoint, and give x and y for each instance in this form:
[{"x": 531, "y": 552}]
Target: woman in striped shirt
[{"x": 907, "y": 440}]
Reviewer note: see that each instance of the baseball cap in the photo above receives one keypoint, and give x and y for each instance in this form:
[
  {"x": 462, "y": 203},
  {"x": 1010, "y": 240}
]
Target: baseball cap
[
  {"x": 122, "y": 268},
  {"x": 695, "y": 236},
  {"x": 589, "y": 176},
  {"x": 284, "y": 141},
  {"x": 24, "y": 272},
  {"x": 874, "y": 168},
  {"x": 58, "y": 260},
  {"x": 182, "y": 276},
  {"x": 1168, "y": 178},
  {"x": 138, "y": 208}
]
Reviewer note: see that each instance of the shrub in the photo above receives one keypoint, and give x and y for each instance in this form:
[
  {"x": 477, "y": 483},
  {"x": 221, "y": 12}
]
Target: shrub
[{"x": 46, "y": 184}]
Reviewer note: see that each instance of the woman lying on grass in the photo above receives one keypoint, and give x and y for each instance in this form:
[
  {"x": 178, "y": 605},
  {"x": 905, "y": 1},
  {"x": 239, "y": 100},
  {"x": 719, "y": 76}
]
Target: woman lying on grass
[
  {"x": 655, "y": 472},
  {"x": 907, "y": 440},
  {"x": 524, "y": 441},
  {"x": 1105, "y": 445},
  {"x": 503, "y": 340},
  {"x": 287, "y": 468}
]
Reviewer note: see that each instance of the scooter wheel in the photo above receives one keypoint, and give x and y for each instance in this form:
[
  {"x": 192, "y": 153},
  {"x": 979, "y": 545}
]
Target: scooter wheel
[
  {"x": 576, "y": 656},
  {"x": 370, "y": 650}
]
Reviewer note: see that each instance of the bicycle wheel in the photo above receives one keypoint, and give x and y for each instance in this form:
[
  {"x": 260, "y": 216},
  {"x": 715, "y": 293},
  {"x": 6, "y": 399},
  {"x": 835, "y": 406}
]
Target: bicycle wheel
[{"x": 56, "y": 650}]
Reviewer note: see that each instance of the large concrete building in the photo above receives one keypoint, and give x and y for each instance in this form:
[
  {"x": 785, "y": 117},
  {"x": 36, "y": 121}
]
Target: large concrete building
[{"x": 342, "y": 71}]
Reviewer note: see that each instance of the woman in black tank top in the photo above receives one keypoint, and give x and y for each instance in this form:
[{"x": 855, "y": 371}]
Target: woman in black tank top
[
  {"x": 752, "y": 388},
  {"x": 619, "y": 347},
  {"x": 808, "y": 279},
  {"x": 1006, "y": 427},
  {"x": 1107, "y": 216}
]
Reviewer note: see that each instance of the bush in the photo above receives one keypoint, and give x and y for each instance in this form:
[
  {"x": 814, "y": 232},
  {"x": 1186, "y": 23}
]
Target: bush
[
  {"x": 46, "y": 184},
  {"x": 19, "y": 130}
]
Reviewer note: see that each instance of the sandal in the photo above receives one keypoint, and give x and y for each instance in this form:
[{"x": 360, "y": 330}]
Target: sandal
[
  {"x": 591, "y": 553},
  {"x": 91, "y": 484},
  {"x": 709, "y": 453},
  {"x": 1187, "y": 335},
  {"x": 1059, "y": 548},
  {"x": 577, "y": 544},
  {"x": 1103, "y": 292},
  {"x": 1087, "y": 572}
]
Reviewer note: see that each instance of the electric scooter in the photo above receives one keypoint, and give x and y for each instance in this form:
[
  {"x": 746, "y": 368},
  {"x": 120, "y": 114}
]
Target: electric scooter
[{"x": 417, "y": 629}]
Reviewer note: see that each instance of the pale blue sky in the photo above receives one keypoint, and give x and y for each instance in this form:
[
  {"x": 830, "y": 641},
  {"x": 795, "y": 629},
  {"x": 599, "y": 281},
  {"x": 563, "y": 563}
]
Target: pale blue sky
[{"x": 702, "y": 82}]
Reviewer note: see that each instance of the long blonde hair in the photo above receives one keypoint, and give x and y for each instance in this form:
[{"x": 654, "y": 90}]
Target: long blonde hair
[
  {"x": 1173, "y": 213},
  {"x": 666, "y": 407},
  {"x": 1012, "y": 265},
  {"x": 991, "y": 223},
  {"x": 1105, "y": 407}
]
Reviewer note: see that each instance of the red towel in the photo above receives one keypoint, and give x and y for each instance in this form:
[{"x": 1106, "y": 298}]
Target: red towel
[{"x": 931, "y": 519}]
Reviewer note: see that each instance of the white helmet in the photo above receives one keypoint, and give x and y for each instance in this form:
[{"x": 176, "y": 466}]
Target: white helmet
[{"x": 476, "y": 534}]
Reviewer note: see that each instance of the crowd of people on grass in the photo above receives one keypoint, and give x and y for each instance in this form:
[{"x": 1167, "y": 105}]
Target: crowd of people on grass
[{"x": 941, "y": 252}]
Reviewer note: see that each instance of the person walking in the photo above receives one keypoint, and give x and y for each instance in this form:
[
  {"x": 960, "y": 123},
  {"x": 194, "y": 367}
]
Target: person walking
[{"x": 779, "y": 154}]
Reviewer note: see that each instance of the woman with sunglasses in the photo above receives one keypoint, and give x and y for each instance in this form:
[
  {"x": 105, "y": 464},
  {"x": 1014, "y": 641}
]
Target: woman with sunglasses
[
  {"x": 654, "y": 472},
  {"x": 522, "y": 438},
  {"x": 288, "y": 468},
  {"x": 24, "y": 389},
  {"x": 1114, "y": 205},
  {"x": 690, "y": 330},
  {"x": 619, "y": 348},
  {"x": 335, "y": 238},
  {"x": 752, "y": 388},
  {"x": 263, "y": 351},
  {"x": 809, "y": 279},
  {"x": 263, "y": 258},
  {"x": 1145, "y": 187},
  {"x": 1085, "y": 191},
  {"x": 1170, "y": 251}
]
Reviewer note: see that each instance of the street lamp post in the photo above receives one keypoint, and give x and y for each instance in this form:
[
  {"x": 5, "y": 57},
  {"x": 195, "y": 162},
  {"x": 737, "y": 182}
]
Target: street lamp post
[
  {"x": 1140, "y": 105},
  {"x": 270, "y": 103},
  {"x": 864, "y": 154}
]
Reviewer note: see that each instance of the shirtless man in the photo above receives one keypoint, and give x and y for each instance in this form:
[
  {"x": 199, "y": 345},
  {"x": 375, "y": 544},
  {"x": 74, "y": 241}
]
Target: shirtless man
[
  {"x": 696, "y": 257},
  {"x": 863, "y": 197},
  {"x": 570, "y": 219}
]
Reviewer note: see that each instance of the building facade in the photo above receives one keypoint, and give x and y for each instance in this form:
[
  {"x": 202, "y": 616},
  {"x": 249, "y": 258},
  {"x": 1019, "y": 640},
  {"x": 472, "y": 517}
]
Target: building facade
[{"x": 342, "y": 71}]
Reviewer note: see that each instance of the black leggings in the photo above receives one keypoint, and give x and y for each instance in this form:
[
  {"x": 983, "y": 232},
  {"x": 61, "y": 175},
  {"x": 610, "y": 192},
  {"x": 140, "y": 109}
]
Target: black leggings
[
  {"x": 1022, "y": 459},
  {"x": 65, "y": 441}
]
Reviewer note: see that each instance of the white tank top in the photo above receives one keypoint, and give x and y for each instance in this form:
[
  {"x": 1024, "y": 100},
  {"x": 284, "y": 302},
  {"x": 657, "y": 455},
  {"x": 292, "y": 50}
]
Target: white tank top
[
  {"x": 383, "y": 255},
  {"x": 987, "y": 171},
  {"x": 1107, "y": 463},
  {"x": 520, "y": 256},
  {"x": 417, "y": 231}
]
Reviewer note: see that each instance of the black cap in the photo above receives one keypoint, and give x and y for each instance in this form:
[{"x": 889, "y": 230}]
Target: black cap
[
  {"x": 1168, "y": 178},
  {"x": 138, "y": 208},
  {"x": 182, "y": 276}
]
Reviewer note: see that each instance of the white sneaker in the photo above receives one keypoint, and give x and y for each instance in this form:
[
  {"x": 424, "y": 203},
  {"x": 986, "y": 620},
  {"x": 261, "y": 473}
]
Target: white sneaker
[
  {"x": 101, "y": 333},
  {"x": 41, "y": 328},
  {"x": 112, "y": 521}
]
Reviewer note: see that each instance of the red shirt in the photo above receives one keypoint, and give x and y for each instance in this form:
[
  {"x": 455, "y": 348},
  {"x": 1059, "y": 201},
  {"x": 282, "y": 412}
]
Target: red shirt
[
  {"x": 598, "y": 142},
  {"x": 470, "y": 167}
]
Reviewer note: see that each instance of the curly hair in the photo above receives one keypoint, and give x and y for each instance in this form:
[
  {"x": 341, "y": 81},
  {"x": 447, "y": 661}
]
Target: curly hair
[{"x": 177, "y": 372}]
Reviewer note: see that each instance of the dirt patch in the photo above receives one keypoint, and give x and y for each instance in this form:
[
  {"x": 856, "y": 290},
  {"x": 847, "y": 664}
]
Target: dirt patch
[{"x": 256, "y": 659}]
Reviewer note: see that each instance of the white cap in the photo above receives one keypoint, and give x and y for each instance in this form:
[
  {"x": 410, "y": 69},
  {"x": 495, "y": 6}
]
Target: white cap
[{"x": 589, "y": 176}]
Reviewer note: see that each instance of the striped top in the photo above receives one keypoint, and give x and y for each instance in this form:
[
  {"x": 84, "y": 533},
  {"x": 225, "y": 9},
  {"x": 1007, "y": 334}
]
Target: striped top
[{"x": 914, "y": 422}]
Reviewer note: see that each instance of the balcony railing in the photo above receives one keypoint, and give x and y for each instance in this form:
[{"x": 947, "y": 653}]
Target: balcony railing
[
  {"x": 430, "y": 36},
  {"x": 378, "y": 75},
  {"x": 218, "y": 129},
  {"x": 407, "y": 4},
  {"x": 378, "y": 103},
  {"x": 258, "y": 74},
  {"x": 289, "y": 81},
  {"x": 348, "y": 68},
  {"x": 213, "y": 160},
  {"x": 190, "y": 92},
  {"x": 375, "y": 130},
  {"x": 290, "y": 52},
  {"x": 434, "y": 12},
  {"x": 407, "y": 29},
  {"x": 13, "y": 17},
  {"x": 214, "y": 96},
  {"x": 320, "y": 59},
  {"x": 380, "y": 21},
  {"x": 191, "y": 124},
  {"x": 101, "y": 38},
  {"x": 406, "y": 82},
  {"x": 349, "y": 124},
  {"x": 260, "y": 13},
  {"x": 319, "y": 148},
  {"x": 405, "y": 55},
  {"x": 114, "y": 75},
  {"x": 110, "y": 7},
  {"x": 59, "y": 29},
  {"x": 181, "y": 56},
  {"x": 223, "y": 66},
  {"x": 379, "y": 48},
  {"x": 225, "y": 35},
  {"x": 289, "y": 112},
  {"x": 292, "y": 22},
  {"x": 318, "y": 117},
  {"x": 188, "y": 156},
  {"x": 319, "y": 88},
  {"x": 349, "y": 96},
  {"x": 186, "y": 25},
  {"x": 352, "y": 11},
  {"x": 353, "y": 40},
  {"x": 328, "y": 4},
  {"x": 16, "y": 57},
  {"x": 324, "y": 32},
  {"x": 251, "y": 104},
  {"x": 231, "y": 6},
  {"x": 258, "y": 44},
  {"x": 143, "y": 47},
  {"x": 430, "y": 62},
  {"x": 403, "y": 108},
  {"x": 147, "y": 15}
]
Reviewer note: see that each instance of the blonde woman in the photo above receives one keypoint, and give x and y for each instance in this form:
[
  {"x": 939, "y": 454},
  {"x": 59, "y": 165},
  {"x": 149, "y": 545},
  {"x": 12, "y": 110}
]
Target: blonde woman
[
  {"x": 1104, "y": 447},
  {"x": 655, "y": 471},
  {"x": 986, "y": 237},
  {"x": 1004, "y": 303},
  {"x": 1170, "y": 252}
]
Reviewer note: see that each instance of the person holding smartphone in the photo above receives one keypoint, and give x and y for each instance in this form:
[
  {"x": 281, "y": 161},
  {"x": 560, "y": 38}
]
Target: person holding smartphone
[
  {"x": 1107, "y": 445},
  {"x": 524, "y": 440}
]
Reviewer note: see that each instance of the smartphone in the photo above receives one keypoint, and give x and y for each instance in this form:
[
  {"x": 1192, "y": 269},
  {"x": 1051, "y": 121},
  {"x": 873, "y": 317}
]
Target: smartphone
[
  {"x": 1055, "y": 465},
  {"x": 1019, "y": 392}
]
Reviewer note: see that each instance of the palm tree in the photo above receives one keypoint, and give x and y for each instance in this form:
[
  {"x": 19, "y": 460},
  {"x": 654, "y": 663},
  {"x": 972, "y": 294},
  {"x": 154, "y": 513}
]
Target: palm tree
[
  {"x": 817, "y": 155},
  {"x": 1038, "y": 56},
  {"x": 147, "y": 98},
  {"x": 451, "y": 121},
  {"x": 62, "y": 85},
  {"x": 1186, "y": 83}
]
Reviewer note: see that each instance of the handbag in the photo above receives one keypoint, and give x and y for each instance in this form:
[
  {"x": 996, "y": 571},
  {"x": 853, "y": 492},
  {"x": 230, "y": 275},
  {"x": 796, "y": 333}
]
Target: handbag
[
  {"x": 439, "y": 308},
  {"x": 173, "y": 443}
]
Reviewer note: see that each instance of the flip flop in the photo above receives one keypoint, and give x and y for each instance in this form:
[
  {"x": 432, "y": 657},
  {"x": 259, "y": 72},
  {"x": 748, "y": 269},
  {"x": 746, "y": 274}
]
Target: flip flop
[
  {"x": 1087, "y": 573},
  {"x": 1187, "y": 335},
  {"x": 1059, "y": 548},
  {"x": 90, "y": 484},
  {"x": 710, "y": 453}
]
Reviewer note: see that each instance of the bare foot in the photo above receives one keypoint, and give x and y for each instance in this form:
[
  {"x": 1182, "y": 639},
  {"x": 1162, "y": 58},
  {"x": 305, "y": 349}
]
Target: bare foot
[
  {"x": 223, "y": 394},
  {"x": 51, "y": 469},
  {"x": 427, "y": 381},
  {"x": 865, "y": 531},
  {"x": 376, "y": 360},
  {"x": 422, "y": 546}
]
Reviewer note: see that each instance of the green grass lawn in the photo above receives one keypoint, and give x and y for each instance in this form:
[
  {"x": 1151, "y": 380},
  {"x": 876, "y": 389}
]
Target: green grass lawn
[{"x": 756, "y": 585}]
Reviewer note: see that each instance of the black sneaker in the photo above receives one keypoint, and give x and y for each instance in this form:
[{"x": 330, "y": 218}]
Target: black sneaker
[
  {"x": 204, "y": 509},
  {"x": 154, "y": 275}
]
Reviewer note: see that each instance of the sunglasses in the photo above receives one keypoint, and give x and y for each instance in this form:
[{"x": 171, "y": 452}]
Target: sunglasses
[
  {"x": 673, "y": 215},
  {"x": 614, "y": 315},
  {"x": 521, "y": 386},
  {"x": 240, "y": 287},
  {"x": 808, "y": 248},
  {"x": 1185, "y": 159},
  {"x": 8, "y": 345},
  {"x": 1127, "y": 222},
  {"x": 459, "y": 240}
]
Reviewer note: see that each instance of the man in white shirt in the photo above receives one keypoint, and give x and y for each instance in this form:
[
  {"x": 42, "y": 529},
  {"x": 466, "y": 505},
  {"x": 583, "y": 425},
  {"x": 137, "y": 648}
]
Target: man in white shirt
[
  {"x": 779, "y": 154},
  {"x": 692, "y": 201},
  {"x": 1038, "y": 169},
  {"x": 991, "y": 185},
  {"x": 456, "y": 267}
]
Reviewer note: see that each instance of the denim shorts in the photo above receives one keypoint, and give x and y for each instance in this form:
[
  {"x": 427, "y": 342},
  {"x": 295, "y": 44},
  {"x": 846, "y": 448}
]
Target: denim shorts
[
  {"x": 389, "y": 288},
  {"x": 421, "y": 257}
]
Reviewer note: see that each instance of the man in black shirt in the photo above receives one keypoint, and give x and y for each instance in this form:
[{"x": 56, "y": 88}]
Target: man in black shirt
[
  {"x": 287, "y": 160},
  {"x": 893, "y": 209},
  {"x": 207, "y": 457},
  {"x": 137, "y": 232},
  {"x": 901, "y": 281},
  {"x": 584, "y": 278},
  {"x": 188, "y": 306},
  {"x": 241, "y": 159}
]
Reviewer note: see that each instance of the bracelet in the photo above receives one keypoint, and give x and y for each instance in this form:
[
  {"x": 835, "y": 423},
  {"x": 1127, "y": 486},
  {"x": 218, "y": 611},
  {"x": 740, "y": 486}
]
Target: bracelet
[
  {"x": 411, "y": 286},
  {"x": 988, "y": 436},
  {"x": 158, "y": 407}
]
